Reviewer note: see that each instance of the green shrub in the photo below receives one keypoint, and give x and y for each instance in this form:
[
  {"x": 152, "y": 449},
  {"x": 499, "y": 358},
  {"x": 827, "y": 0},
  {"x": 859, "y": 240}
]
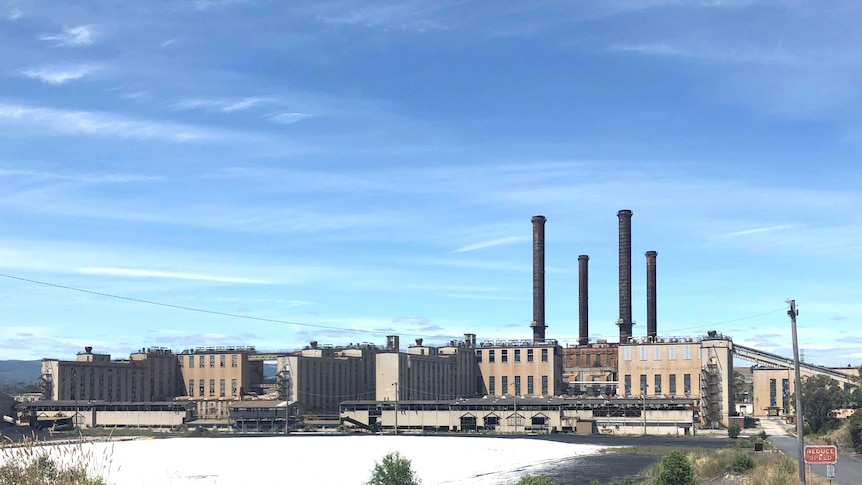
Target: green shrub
[
  {"x": 763, "y": 436},
  {"x": 675, "y": 469},
  {"x": 733, "y": 430},
  {"x": 742, "y": 462},
  {"x": 535, "y": 480},
  {"x": 394, "y": 469}
]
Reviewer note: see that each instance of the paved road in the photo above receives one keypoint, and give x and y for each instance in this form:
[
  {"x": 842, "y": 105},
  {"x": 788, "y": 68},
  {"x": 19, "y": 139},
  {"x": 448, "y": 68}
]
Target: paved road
[{"x": 848, "y": 470}]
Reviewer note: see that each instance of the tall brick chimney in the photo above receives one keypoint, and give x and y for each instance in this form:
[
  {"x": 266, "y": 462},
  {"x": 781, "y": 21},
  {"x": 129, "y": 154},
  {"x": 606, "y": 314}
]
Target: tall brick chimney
[
  {"x": 625, "y": 257},
  {"x": 538, "y": 323},
  {"x": 583, "y": 300},
  {"x": 652, "y": 330}
]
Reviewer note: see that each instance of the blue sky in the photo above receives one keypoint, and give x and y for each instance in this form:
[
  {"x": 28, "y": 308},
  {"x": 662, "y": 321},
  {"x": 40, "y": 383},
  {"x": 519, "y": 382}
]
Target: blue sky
[{"x": 350, "y": 169}]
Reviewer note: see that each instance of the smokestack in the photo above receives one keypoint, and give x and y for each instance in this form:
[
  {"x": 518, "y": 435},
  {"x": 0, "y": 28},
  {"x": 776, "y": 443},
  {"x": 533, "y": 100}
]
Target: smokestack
[
  {"x": 651, "y": 328},
  {"x": 625, "y": 321},
  {"x": 538, "y": 279},
  {"x": 583, "y": 300}
]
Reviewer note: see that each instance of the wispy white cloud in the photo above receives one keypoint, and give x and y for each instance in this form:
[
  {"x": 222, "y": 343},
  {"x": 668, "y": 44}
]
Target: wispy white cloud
[
  {"x": 72, "y": 36},
  {"x": 14, "y": 14},
  {"x": 757, "y": 230},
  {"x": 57, "y": 75},
  {"x": 287, "y": 118},
  {"x": 721, "y": 54},
  {"x": 207, "y": 4},
  {"x": 98, "y": 124},
  {"x": 167, "y": 43},
  {"x": 223, "y": 105},
  {"x": 146, "y": 273},
  {"x": 493, "y": 242}
]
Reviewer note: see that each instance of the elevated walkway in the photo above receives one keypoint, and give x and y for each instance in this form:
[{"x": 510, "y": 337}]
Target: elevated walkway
[{"x": 768, "y": 359}]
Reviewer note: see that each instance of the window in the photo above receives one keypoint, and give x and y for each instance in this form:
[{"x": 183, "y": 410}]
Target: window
[
  {"x": 671, "y": 385},
  {"x": 191, "y": 387},
  {"x": 785, "y": 395},
  {"x": 221, "y": 359},
  {"x": 233, "y": 387},
  {"x": 628, "y": 380},
  {"x": 544, "y": 385},
  {"x": 517, "y": 355},
  {"x": 657, "y": 390},
  {"x": 544, "y": 355},
  {"x": 686, "y": 383},
  {"x": 598, "y": 360},
  {"x": 478, "y": 356},
  {"x": 686, "y": 352},
  {"x": 627, "y": 353},
  {"x": 504, "y": 388},
  {"x": 191, "y": 362},
  {"x": 491, "y": 356},
  {"x": 656, "y": 353},
  {"x": 504, "y": 355},
  {"x": 233, "y": 360},
  {"x": 491, "y": 387},
  {"x": 221, "y": 389},
  {"x": 212, "y": 387},
  {"x": 517, "y": 385},
  {"x": 201, "y": 362},
  {"x": 530, "y": 385},
  {"x": 773, "y": 398},
  {"x": 671, "y": 352},
  {"x": 181, "y": 361},
  {"x": 201, "y": 388},
  {"x": 643, "y": 385},
  {"x": 588, "y": 359},
  {"x": 643, "y": 352},
  {"x": 577, "y": 360},
  {"x": 529, "y": 355},
  {"x": 212, "y": 360}
]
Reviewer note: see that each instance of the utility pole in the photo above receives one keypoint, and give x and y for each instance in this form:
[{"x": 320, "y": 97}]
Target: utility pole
[
  {"x": 800, "y": 439},
  {"x": 396, "y": 406}
]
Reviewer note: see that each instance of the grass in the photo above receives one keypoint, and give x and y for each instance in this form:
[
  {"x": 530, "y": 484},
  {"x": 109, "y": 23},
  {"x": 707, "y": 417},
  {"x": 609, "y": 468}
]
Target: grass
[{"x": 30, "y": 462}]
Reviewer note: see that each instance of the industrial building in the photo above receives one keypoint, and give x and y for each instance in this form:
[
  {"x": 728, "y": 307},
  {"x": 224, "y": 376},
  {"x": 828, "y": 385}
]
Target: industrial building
[{"x": 213, "y": 377}]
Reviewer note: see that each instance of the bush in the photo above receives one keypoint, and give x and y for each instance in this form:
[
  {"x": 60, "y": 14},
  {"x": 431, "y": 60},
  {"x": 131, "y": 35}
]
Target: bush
[
  {"x": 535, "y": 480},
  {"x": 856, "y": 430},
  {"x": 733, "y": 430},
  {"x": 394, "y": 469},
  {"x": 675, "y": 469},
  {"x": 742, "y": 463},
  {"x": 763, "y": 436}
]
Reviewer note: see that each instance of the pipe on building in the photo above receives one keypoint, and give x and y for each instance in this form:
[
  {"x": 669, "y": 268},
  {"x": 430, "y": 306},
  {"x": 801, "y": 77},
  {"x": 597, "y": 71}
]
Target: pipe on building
[
  {"x": 538, "y": 323},
  {"x": 583, "y": 300},
  {"x": 625, "y": 259},
  {"x": 652, "y": 329}
]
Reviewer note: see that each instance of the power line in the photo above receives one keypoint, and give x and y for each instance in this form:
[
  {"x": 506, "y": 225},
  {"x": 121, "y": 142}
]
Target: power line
[{"x": 203, "y": 310}]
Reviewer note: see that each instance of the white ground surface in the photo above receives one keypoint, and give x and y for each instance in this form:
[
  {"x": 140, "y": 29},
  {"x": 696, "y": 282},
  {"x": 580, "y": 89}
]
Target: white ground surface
[{"x": 329, "y": 460}]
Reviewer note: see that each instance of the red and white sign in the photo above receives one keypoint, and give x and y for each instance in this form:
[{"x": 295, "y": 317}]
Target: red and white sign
[{"x": 821, "y": 454}]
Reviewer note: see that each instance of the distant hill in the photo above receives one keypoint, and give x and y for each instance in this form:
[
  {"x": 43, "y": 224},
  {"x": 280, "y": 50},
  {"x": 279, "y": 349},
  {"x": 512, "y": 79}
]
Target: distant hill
[{"x": 13, "y": 372}]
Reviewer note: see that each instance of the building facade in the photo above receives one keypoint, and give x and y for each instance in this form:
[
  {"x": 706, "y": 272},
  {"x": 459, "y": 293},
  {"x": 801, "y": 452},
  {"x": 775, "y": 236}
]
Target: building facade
[
  {"x": 320, "y": 377},
  {"x": 520, "y": 367},
  {"x": 148, "y": 375},
  {"x": 774, "y": 388},
  {"x": 426, "y": 372},
  {"x": 681, "y": 367},
  {"x": 591, "y": 369},
  {"x": 212, "y": 377}
]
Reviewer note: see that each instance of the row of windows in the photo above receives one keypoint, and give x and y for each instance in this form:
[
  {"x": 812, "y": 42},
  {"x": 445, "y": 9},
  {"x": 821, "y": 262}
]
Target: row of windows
[
  {"x": 201, "y": 383},
  {"x": 657, "y": 384},
  {"x": 588, "y": 360},
  {"x": 492, "y": 385},
  {"x": 504, "y": 355},
  {"x": 212, "y": 361},
  {"x": 671, "y": 352}
]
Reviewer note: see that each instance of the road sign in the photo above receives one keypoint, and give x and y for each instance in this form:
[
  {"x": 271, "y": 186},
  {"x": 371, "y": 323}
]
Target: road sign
[
  {"x": 821, "y": 454},
  {"x": 830, "y": 472}
]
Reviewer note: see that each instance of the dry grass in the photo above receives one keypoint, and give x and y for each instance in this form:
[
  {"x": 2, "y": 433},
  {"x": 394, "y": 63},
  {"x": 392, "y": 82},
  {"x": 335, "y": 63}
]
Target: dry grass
[{"x": 31, "y": 462}]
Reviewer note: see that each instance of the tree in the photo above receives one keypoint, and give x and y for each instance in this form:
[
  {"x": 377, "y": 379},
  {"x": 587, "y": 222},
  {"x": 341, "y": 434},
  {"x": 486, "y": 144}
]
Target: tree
[
  {"x": 821, "y": 396},
  {"x": 856, "y": 430},
  {"x": 394, "y": 469},
  {"x": 535, "y": 480},
  {"x": 675, "y": 469}
]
